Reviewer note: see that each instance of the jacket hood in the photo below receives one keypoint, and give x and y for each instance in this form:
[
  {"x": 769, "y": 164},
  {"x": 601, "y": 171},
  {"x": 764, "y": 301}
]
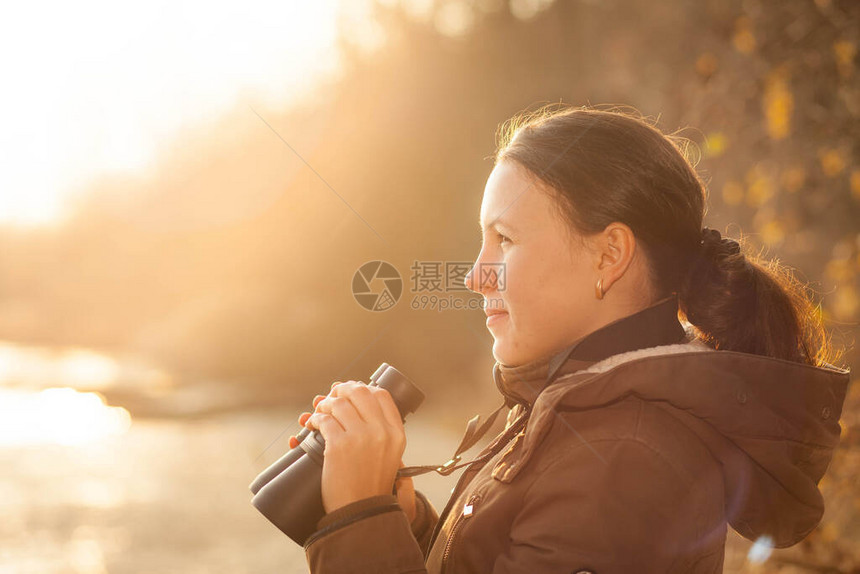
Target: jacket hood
[{"x": 772, "y": 424}]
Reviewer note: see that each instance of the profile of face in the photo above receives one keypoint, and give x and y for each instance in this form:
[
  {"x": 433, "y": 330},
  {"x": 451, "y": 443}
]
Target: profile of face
[{"x": 533, "y": 269}]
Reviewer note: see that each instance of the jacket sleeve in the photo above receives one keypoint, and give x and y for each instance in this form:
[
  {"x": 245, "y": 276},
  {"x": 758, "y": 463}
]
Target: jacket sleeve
[
  {"x": 602, "y": 508},
  {"x": 426, "y": 518},
  {"x": 372, "y": 535}
]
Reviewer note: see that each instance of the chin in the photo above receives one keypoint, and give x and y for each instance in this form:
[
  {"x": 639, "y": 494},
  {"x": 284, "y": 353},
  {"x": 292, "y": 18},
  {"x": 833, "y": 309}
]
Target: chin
[{"x": 503, "y": 355}]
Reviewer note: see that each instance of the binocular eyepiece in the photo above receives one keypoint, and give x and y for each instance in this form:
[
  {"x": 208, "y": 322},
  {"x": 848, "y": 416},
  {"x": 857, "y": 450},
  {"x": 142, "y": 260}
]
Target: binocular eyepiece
[{"x": 289, "y": 492}]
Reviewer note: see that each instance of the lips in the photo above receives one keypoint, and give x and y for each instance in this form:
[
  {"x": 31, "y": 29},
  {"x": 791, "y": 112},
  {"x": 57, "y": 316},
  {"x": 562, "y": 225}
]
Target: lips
[
  {"x": 494, "y": 311},
  {"x": 496, "y": 316}
]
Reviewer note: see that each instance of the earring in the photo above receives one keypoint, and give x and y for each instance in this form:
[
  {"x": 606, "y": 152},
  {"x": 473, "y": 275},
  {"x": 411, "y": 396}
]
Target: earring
[{"x": 599, "y": 288}]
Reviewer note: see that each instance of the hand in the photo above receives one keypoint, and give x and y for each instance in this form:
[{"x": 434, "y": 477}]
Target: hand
[
  {"x": 365, "y": 442},
  {"x": 404, "y": 486}
]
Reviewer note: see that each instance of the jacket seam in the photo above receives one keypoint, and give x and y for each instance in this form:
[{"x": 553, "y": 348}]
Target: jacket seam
[
  {"x": 566, "y": 409},
  {"x": 394, "y": 506},
  {"x": 560, "y": 459},
  {"x": 649, "y": 355},
  {"x": 638, "y": 418}
]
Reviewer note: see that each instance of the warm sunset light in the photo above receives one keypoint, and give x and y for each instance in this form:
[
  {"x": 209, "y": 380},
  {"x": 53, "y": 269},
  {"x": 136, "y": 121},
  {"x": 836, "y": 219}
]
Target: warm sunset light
[
  {"x": 212, "y": 213},
  {"x": 97, "y": 87},
  {"x": 57, "y": 416}
]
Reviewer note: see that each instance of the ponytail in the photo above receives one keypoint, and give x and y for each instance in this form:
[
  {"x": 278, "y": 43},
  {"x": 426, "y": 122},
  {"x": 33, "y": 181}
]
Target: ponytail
[{"x": 741, "y": 302}]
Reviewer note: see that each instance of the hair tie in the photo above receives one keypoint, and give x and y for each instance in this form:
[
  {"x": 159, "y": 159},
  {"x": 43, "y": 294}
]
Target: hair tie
[{"x": 711, "y": 238}]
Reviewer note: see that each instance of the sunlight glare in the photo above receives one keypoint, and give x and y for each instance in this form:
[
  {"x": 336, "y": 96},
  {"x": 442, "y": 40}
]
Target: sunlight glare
[
  {"x": 761, "y": 550},
  {"x": 75, "y": 367},
  {"x": 60, "y": 416},
  {"x": 96, "y": 87}
]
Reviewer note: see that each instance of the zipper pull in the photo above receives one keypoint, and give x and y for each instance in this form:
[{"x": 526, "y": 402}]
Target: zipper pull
[{"x": 468, "y": 508}]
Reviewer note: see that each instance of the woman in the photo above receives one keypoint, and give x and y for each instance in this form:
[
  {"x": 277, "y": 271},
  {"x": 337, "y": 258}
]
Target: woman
[{"x": 633, "y": 439}]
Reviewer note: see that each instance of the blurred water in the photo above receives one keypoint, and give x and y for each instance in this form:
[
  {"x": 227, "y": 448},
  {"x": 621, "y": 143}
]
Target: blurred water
[
  {"x": 86, "y": 488},
  {"x": 165, "y": 496}
]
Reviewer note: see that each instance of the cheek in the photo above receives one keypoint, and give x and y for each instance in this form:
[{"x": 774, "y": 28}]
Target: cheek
[
  {"x": 540, "y": 291},
  {"x": 529, "y": 288}
]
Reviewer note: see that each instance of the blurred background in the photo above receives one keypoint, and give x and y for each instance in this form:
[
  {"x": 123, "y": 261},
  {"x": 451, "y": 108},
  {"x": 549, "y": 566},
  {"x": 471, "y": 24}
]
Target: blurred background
[{"x": 188, "y": 189}]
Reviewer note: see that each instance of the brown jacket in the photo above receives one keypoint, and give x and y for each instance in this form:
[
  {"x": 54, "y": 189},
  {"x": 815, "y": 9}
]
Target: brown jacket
[{"x": 634, "y": 458}]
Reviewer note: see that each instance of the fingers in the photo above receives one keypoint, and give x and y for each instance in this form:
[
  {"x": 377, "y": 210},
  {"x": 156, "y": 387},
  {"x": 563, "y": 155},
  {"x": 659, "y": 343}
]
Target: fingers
[
  {"x": 341, "y": 409},
  {"x": 330, "y": 428},
  {"x": 373, "y": 403},
  {"x": 362, "y": 398},
  {"x": 388, "y": 407},
  {"x": 303, "y": 418},
  {"x": 351, "y": 404}
]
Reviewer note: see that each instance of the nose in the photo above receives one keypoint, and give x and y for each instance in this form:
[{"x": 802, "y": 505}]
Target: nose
[
  {"x": 469, "y": 280},
  {"x": 482, "y": 277}
]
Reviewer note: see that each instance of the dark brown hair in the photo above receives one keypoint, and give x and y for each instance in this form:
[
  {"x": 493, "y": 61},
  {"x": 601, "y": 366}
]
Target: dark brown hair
[{"x": 604, "y": 166}]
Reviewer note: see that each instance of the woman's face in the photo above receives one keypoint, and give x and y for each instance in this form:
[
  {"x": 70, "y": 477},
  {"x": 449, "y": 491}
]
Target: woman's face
[{"x": 546, "y": 278}]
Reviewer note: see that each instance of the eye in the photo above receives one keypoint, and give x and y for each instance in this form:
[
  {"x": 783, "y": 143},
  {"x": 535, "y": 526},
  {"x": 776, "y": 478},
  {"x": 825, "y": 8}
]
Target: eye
[{"x": 503, "y": 238}]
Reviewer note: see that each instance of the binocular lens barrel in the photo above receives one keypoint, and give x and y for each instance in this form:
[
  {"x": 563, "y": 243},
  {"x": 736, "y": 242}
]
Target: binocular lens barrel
[{"x": 281, "y": 464}]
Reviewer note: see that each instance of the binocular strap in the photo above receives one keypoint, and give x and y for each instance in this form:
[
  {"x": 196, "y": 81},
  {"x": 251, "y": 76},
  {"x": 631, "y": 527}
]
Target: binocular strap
[{"x": 473, "y": 434}]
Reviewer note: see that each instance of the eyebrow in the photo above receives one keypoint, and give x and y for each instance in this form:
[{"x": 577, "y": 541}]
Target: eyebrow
[{"x": 499, "y": 221}]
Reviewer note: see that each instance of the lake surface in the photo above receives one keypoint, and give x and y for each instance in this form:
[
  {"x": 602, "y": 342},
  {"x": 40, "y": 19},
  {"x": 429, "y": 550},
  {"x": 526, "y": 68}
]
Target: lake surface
[
  {"x": 162, "y": 496},
  {"x": 87, "y": 488}
]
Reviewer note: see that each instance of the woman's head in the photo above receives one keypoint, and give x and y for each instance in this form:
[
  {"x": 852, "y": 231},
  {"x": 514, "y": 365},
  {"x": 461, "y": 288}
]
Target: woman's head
[
  {"x": 579, "y": 195},
  {"x": 536, "y": 269}
]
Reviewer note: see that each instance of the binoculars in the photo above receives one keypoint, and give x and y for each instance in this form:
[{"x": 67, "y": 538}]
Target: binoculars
[{"x": 289, "y": 492}]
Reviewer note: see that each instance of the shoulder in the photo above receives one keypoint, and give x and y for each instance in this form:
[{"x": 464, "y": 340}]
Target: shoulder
[{"x": 615, "y": 436}]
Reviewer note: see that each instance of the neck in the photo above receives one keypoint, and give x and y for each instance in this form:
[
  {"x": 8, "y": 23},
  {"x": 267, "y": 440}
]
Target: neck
[{"x": 649, "y": 327}]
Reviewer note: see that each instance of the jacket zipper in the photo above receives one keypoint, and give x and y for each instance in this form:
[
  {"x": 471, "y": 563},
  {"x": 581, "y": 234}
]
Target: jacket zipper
[
  {"x": 501, "y": 440},
  {"x": 468, "y": 510}
]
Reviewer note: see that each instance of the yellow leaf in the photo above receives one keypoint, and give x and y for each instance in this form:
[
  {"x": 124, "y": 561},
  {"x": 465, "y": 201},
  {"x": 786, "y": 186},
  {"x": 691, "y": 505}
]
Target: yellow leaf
[
  {"x": 829, "y": 532},
  {"x": 715, "y": 144},
  {"x": 760, "y": 188},
  {"x": 778, "y": 104},
  {"x": 855, "y": 184},
  {"x": 793, "y": 179},
  {"x": 844, "y": 51},
  {"x": 743, "y": 39},
  {"x": 832, "y": 162},
  {"x": 772, "y": 233},
  {"x": 706, "y": 65}
]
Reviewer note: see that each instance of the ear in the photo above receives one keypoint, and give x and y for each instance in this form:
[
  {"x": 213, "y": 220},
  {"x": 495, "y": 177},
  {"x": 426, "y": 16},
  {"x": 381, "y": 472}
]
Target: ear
[{"x": 616, "y": 246}]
